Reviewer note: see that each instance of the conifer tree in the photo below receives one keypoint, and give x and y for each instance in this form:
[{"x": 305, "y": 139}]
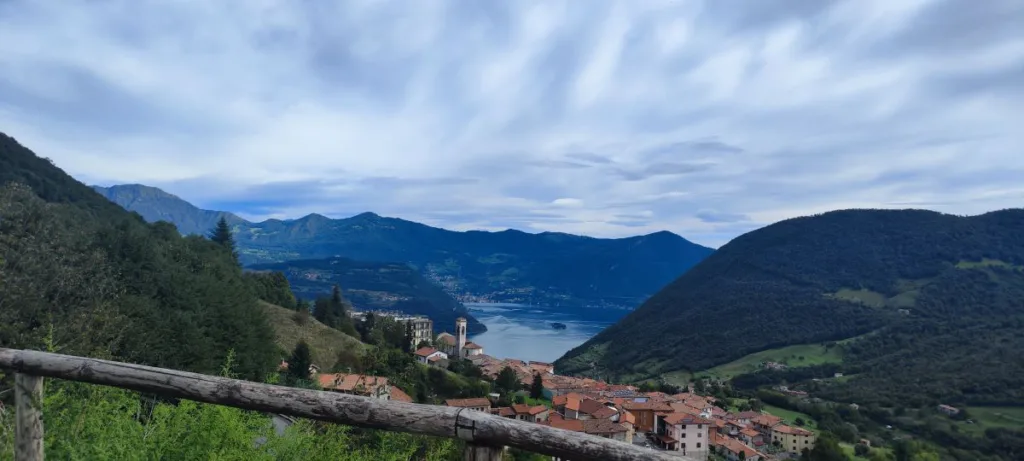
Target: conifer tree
[
  {"x": 222, "y": 235},
  {"x": 298, "y": 364},
  {"x": 537, "y": 387}
]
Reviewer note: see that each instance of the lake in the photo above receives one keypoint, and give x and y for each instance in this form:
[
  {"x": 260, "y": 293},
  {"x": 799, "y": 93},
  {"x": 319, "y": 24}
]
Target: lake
[{"x": 524, "y": 332}]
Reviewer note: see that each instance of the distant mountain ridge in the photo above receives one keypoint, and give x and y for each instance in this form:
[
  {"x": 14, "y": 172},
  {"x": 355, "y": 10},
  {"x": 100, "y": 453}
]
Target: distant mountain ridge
[
  {"x": 508, "y": 266},
  {"x": 154, "y": 204}
]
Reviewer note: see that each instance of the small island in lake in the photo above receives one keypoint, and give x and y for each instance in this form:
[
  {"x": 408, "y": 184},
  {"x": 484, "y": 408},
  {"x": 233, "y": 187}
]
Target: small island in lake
[{"x": 558, "y": 326}]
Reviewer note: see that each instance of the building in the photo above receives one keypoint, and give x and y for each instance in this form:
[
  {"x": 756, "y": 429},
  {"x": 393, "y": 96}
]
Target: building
[
  {"x": 422, "y": 327},
  {"x": 764, "y": 423},
  {"x": 533, "y": 414},
  {"x": 478, "y": 404},
  {"x": 457, "y": 345},
  {"x": 732, "y": 449},
  {"x": 376, "y": 387},
  {"x": 951, "y": 411},
  {"x": 792, "y": 439},
  {"x": 645, "y": 413},
  {"x": 685, "y": 433},
  {"x": 429, "y": 355}
]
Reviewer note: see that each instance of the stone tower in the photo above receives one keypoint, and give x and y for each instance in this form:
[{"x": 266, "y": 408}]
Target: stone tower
[{"x": 460, "y": 335}]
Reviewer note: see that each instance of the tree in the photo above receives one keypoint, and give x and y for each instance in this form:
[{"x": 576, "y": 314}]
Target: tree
[
  {"x": 507, "y": 381},
  {"x": 301, "y": 305},
  {"x": 322, "y": 312},
  {"x": 298, "y": 364},
  {"x": 537, "y": 387},
  {"x": 221, "y": 235},
  {"x": 407, "y": 344},
  {"x": 827, "y": 448},
  {"x": 861, "y": 450}
]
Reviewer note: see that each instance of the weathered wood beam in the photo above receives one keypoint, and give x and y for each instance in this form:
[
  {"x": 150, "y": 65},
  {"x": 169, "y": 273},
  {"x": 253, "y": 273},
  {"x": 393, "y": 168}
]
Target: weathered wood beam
[
  {"x": 28, "y": 409},
  {"x": 475, "y": 452},
  {"x": 476, "y": 427}
]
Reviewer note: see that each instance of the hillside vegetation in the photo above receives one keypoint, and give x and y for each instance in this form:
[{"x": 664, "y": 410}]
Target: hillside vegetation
[
  {"x": 949, "y": 326},
  {"x": 82, "y": 276},
  {"x": 508, "y": 266},
  {"x": 325, "y": 343},
  {"x": 375, "y": 286}
]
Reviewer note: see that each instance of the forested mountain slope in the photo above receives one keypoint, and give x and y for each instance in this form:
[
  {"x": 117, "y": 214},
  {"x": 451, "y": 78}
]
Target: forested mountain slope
[
  {"x": 510, "y": 266},
  {"x": 947, "y": 293},
  {"x": 376, "y": 286},
  {"x": 82, "y": 276}
]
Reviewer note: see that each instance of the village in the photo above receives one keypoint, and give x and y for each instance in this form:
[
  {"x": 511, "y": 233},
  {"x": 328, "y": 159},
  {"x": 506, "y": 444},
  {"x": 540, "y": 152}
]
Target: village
[{"x": 686, "y": 423}]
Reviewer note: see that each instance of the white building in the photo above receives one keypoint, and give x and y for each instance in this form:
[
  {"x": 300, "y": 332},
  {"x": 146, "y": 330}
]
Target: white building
[{"x": 457, "y": 345}]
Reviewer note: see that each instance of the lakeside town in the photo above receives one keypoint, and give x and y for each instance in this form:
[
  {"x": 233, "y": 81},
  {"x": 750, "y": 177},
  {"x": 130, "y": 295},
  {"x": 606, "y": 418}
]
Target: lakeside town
[{"x": 685, "y": 423}]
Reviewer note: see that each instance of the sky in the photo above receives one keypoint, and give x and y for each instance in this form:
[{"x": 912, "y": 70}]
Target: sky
[{"x": 595, "y": 117}]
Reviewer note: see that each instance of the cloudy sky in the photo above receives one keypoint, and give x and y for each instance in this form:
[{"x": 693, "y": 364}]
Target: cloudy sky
[{"x": 596, "y": 117}]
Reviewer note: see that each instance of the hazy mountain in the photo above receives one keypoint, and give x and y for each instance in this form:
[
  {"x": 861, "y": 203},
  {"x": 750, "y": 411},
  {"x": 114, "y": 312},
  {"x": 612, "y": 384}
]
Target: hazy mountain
[{"x": 510, "y": 266}]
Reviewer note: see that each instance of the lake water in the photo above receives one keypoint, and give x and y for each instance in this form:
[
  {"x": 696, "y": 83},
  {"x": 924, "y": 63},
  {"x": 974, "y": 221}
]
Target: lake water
[{"x": 524, "y": 332}]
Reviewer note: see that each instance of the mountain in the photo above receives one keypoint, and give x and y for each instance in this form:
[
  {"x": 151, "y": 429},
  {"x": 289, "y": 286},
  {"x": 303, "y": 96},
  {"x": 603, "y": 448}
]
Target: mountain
[
  {"x": 943, "y": 296},
  {"x": 377, "y": 286},
  {"x": 156, "y": 205},
  {"x": 508, "y": 266},
  {"x": 82, "y": 276}
]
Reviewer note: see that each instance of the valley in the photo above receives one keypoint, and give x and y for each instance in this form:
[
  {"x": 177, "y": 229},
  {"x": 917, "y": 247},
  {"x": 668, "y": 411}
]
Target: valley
[{"x": 839, "y": 323}]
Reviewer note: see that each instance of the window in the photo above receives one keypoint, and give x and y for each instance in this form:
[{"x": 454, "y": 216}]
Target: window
[
  {"x": 698, "y": 444},
  {"x": 700, "y": 434}
]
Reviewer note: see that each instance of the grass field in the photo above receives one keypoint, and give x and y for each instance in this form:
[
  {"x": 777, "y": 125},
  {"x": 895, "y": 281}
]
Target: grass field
[
  {"x": 324, "y": 342},
  {"x": 848, "y": 449},
  {"x": 789, "y": 417},
  {"x": 801, "y": 355},
  {"x": 993, "y": 417}
]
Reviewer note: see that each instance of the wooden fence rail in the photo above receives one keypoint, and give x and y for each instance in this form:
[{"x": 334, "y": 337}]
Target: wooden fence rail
[{"x": 485, "y": 434}]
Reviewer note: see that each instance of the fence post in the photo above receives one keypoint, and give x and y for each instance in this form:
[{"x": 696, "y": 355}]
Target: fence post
[
  {"x": 474, "y": 452},
  {"x": 28, "y": 413}
]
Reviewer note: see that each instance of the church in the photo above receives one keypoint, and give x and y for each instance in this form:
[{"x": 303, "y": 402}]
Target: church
[{"x": 457, "y": 345}]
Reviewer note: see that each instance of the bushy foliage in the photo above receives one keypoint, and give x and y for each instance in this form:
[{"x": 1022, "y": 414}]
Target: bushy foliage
[{"x": 95, "y": 422}]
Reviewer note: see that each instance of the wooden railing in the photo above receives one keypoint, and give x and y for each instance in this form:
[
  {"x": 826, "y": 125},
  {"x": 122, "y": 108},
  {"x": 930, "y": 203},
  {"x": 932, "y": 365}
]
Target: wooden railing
[{"x": 485, "y": 435}]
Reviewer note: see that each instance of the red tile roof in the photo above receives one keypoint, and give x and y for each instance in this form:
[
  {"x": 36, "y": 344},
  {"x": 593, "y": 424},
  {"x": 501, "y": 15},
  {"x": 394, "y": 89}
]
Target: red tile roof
[
  {"x": 685, "y": 419},
  {"x": 425, "y": 351},
  {"x": 399, "y": 395},
  {"x": 791, "y": 430},
  {"x": 604, "y": 413},
  {"x": 503, "y": 411},
  {"x": 351, "y": 383},
  {"x": 468, "y": 403},
  {"x": 574, "y": 425},
  {"x": 602, "y": 426},
  {"x": 647, "y": 406},
  {"x": 766, "y": 420},
  {"x": 524, "y": 409},
  {"x": 472, "y": 345}
]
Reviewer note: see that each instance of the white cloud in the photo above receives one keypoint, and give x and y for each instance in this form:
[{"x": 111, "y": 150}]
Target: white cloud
[{"x": 607, "y": 118}]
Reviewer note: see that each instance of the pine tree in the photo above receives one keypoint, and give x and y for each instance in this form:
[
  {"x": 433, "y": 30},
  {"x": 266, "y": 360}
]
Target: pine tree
[
  {"x": 222, "y": 235},
  {"x": 337, "y": 302},
  {"x": 300, "y": 305},
  {"x": 298, "y": 364},
  {"x": 323, "y": 313},
  {"x": 537, "y": 387},
  {"x": 408, "y": 345}
]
